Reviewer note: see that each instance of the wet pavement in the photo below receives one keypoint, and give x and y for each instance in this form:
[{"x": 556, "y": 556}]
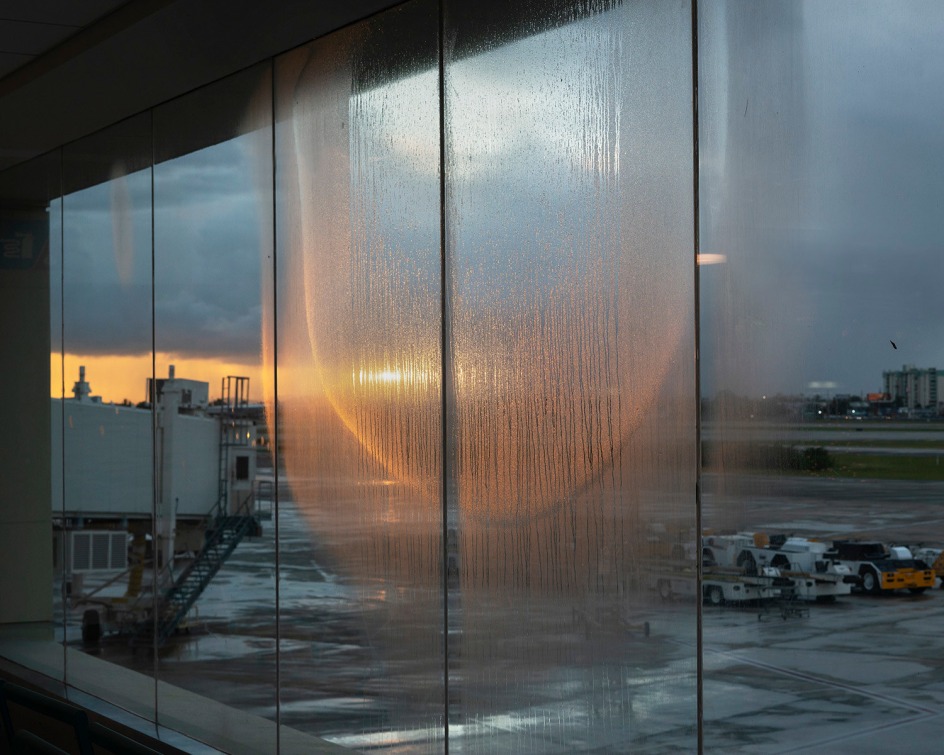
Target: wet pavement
[{"x": 864, "y": 674}]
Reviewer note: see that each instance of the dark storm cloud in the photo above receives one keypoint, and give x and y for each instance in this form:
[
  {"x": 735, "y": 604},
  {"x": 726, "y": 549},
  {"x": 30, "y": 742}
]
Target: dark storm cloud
[
  {"x": 207, "y": 260},
  {"x": 823, "y": 182},
  {"x": 875, "y": 115},
  {"x": 821, "y": 167}
]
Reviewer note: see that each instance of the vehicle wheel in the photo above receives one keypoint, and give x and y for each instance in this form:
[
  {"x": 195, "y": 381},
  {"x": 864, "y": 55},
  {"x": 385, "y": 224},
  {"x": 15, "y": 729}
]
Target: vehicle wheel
[
  {"x": 870, "y": 581},
  {"x": 665, "y": 589},
  {"x": 91, "y": 627},
  {"x": 747, "y": 562},
  {"x": 715, "y": 595},
  {"x": 916, "y": 590}
]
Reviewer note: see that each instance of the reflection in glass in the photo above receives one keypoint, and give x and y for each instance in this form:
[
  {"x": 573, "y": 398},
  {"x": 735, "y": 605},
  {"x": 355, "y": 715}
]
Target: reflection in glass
[
  {"x": 571, "y": 472},
  {"x": 212, "y": 274},
  {"x": 107, "y": 491},
  {"x": 359, "y": 383},
  {"x": 821, "y": 191}
]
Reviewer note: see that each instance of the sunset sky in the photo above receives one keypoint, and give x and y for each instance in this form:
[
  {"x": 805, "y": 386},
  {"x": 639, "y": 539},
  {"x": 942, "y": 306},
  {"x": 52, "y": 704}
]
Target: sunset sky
[
  {"x": 820, "y": 188},
  {"x": 206, "y": 314},
  {"x": 116, "y": 378}
]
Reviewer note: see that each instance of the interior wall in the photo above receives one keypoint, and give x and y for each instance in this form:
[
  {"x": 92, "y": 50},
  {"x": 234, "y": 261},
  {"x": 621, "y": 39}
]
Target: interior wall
[{"x": 25, "y": 444}]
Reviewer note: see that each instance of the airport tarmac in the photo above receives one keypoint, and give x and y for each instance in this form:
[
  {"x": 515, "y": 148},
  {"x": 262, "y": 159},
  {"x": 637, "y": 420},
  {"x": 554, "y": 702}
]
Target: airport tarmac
[{"x": 862, "y": 675}]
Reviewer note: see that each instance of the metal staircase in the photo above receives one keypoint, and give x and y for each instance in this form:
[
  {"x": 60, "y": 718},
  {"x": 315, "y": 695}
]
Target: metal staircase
[
  {"x": 226, "y": 533},
  {"x": 224, "y": 530}
]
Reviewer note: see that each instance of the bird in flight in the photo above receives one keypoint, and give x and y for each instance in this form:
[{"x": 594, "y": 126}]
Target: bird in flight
[{"x": 893, "y": 344}]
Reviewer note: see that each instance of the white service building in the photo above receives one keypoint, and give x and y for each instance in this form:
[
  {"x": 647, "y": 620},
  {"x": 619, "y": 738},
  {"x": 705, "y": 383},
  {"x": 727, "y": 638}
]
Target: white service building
[{"x": 113, "y": 455}]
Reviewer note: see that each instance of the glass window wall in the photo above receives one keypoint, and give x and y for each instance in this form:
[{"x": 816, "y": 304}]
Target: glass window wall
[
  {"x": 570, "y": 334},
  {"x": 359, "y": 398},
  {"x": 374, "y": 396},
  {"x": 400, "y": 315},
  {"x": 111, "y": 561},
  {"x": 213, "y": 276},
  {"x": 820, "y": 205}
]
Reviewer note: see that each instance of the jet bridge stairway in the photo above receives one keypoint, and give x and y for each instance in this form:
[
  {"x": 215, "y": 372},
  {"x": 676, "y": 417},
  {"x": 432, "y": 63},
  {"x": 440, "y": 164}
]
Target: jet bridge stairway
[
  {"x": 224, "y": 530},
  {"x": 222, "y": 538}
]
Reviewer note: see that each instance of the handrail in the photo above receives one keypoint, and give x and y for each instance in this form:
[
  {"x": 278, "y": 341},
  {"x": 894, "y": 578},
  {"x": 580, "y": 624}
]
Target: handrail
[{"x": 177, "y": 600}]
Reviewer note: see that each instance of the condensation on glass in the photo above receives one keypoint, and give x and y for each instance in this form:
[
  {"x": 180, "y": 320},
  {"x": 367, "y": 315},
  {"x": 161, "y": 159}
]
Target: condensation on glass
[
  {"x": 571, "y": 425},
  {"x": 213, "y": 277},
  {"x": 359, "y": 358},
  {"x": 106, "y": 491},
  {"x": 554, "y": 586},
  {"x": 820, "y": 199}
]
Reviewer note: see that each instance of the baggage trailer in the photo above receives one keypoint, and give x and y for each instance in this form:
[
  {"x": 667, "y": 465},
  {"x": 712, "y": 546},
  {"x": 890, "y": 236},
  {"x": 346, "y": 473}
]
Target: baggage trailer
[
  {"x": 718, "y": 587},
  {"x": 722, "y": 585},
  {"x": 817, "y": 575}
]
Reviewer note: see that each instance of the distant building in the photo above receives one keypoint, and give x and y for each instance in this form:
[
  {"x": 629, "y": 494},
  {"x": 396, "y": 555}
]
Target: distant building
[
  {"x": 881, "y": 405},
  {"x": 917, "y": 388}
]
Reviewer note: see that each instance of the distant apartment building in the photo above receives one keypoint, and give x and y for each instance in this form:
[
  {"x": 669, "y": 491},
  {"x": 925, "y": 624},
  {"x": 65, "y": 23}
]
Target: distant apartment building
[{"x": 917, "y": 387}]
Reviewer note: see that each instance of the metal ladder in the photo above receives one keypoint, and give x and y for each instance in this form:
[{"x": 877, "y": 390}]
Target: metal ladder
[
  {"x": 221, "y": 540},
  {"x": 234, "y": 398}
]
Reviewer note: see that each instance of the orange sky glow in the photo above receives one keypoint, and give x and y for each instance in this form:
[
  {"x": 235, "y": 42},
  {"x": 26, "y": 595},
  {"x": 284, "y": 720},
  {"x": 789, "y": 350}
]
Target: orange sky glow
[{"x": 119, "y": 377}]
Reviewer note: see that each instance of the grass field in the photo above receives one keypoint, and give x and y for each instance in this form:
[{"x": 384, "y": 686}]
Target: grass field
[
  {"x": 890, "y": 442},
  {"x": 863, "y": 450},
  {"x": 892, "y": 426},
  {"x": 881, "y": 467}
]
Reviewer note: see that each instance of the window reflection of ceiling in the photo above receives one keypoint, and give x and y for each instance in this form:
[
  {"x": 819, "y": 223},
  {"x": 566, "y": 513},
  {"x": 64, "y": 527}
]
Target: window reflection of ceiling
[
  {"x": 139, "y": 55},
  {"x": 30, "y": 28},
  {"x": 96, "y": 62}
]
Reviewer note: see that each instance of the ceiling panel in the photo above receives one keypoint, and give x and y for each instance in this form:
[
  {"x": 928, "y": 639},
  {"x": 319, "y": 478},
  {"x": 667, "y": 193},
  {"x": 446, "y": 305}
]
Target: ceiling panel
[
  {"x": 64, "y": 12},
  {"x": 11, "y": 60},
  {"x": 29, "y": 38}
]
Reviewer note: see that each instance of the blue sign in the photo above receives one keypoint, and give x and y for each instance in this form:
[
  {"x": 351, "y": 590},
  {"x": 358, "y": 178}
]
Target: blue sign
[{"x": 24, "y": 241}]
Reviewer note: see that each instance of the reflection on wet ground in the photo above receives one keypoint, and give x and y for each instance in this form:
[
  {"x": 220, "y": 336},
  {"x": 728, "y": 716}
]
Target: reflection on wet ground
[
  {"x": 864, "y": 674},
  {"x": 328, "y": 669},
  {"x": 571, "y": 681}
]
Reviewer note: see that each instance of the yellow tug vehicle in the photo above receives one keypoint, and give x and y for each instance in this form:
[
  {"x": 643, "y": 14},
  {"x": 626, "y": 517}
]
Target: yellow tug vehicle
[
  {"x": 933, "y": 556},
  {"x": 882, "y": 569}
]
